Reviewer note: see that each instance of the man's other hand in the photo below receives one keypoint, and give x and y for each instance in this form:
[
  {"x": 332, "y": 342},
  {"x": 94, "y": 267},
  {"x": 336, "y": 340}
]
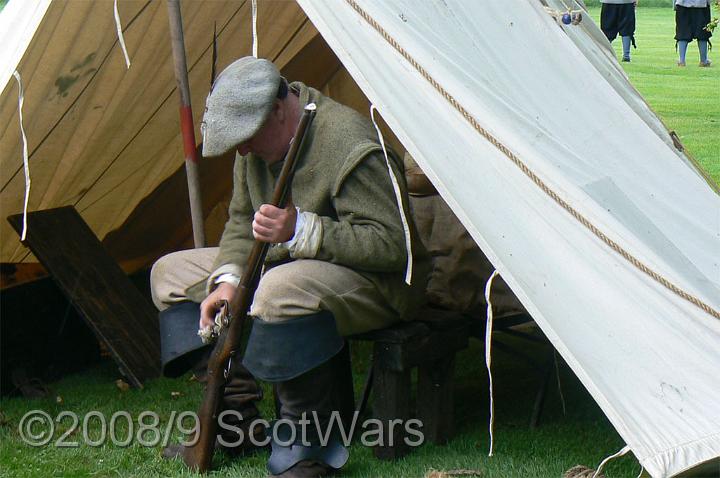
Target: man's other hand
[
  {"x": 212, "y": 303},
  {"x": 273, "y": 224}
]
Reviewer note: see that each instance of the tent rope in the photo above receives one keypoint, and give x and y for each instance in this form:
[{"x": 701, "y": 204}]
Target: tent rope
[{"x": 527, "y": 171}]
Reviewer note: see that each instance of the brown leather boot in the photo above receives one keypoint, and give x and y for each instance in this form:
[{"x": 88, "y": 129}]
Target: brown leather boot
[
  {"x": 313, "y": 391},
  {"x": 302, "y": 357}
]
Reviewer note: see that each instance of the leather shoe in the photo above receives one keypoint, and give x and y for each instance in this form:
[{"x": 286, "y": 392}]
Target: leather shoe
[{"x": 305, "y": 469}]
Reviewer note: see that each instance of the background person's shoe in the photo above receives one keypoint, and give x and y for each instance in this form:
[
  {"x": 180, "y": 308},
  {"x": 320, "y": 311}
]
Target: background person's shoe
[
  {"x": 680, "y": 63},
  {"x": 705, "y": 64},
  {"x": 626, "y": 59}
]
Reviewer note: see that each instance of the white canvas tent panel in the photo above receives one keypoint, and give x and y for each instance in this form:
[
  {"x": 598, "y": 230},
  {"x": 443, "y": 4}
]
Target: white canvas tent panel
[
  {"x": 18, "y": 23},
  {"x": 648, "y": 356}
]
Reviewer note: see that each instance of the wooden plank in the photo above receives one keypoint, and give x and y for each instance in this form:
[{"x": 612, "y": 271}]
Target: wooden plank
[{"x": 113, "y": 307}]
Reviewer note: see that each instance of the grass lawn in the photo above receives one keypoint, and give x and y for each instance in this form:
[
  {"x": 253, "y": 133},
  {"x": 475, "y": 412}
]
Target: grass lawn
[
  {"x": 687, "y": 100},
  {"x": 583, "y": 435}
]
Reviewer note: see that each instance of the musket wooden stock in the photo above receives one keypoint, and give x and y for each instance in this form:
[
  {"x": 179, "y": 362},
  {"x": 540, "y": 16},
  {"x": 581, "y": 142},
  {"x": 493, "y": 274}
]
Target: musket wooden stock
[{"x": 200, "y": 455}]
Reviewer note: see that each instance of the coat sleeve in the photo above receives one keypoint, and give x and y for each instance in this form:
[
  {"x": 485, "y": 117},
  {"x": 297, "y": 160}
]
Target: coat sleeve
[
  {"x": 368, "y": 233},
  {"x": 237, "y": 238}
]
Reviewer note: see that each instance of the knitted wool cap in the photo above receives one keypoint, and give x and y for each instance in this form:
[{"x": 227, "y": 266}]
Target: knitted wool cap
[{"x": 238, "y": 104}]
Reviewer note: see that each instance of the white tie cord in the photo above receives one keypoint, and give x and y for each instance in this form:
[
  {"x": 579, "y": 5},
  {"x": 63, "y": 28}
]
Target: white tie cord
[
  {"x": 254, "y": 29},
  {"x": 488, "y": 356},
  {"x": 121, "y": 38},
  {"x": 398, "y": 198},
  {"x": 622, "y": 451},
  {"x": 26, "y": 166}
]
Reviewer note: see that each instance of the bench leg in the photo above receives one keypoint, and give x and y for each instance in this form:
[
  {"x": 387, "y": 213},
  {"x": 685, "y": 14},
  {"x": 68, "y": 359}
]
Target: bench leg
[
  {"x": 435, "y": 399},
  {"x": 367, "y": 388},
  {"x": 542, "y": 391},
  {"x": 345, "y": 391},
  {"x": 391, "y": 401}
]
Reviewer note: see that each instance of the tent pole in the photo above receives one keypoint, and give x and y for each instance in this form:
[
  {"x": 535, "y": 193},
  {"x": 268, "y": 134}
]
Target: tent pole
[{"x": 186, "y": 121}]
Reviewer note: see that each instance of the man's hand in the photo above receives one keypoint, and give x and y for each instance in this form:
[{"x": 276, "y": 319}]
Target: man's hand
[
  {"x": 274, "y": 225},
  {"x": 212, "y": 303}
]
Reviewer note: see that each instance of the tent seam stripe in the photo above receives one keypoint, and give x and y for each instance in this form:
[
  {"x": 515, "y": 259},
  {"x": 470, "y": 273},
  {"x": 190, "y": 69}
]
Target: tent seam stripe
[{"x": 529, "y": 172}]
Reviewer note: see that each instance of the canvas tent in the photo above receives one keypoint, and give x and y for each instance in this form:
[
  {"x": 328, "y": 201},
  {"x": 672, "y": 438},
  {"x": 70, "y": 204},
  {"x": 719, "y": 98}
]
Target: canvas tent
[
  {"x": 608, "y": 234},
  {"x": 103, "y": 137}
]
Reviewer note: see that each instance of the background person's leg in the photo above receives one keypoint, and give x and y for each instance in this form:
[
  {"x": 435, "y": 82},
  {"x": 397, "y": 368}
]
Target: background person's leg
[
  {"x": 703, "y": 49},
  {"x": 682, "y": 52},
  {"x": 608, "y": 20},
  {"x": 626, "y": 42}
]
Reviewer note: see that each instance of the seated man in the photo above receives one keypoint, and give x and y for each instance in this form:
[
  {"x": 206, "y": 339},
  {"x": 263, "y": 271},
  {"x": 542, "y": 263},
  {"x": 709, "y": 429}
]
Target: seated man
[{"x": 338, "y": 264}]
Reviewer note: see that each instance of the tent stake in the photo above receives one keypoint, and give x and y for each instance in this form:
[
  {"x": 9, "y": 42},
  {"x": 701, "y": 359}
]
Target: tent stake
[{"x": 186, "y": 121}]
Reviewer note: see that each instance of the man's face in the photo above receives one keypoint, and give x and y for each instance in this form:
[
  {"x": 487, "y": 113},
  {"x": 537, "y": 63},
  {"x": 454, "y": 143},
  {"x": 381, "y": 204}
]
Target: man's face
[{"x": 268, "y": 143}]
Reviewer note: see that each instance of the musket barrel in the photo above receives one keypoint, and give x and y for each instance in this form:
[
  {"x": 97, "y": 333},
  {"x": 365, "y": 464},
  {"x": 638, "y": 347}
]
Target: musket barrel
[{"x": 199, "y": 456}]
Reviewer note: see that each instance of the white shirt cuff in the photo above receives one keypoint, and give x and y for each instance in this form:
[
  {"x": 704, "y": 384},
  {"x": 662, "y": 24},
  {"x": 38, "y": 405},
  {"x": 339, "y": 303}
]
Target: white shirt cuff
[
  {"x": 308, "y": 236},
  {"x": 299, "y": 227},
  {"x": 228, "y": 270},
  {"x": 228, "y": 277}
]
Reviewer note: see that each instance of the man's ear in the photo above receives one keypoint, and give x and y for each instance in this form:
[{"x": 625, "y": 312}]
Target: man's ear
[{"x": 279, "y": 111}]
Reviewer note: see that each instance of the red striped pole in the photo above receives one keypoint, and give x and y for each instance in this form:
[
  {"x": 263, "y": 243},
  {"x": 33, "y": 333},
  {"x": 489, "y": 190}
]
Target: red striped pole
[{"x": 186, "y": 122}]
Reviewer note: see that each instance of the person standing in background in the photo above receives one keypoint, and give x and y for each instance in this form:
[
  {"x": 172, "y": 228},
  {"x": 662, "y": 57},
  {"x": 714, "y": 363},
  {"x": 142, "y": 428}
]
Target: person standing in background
[
  {"x": 618, "y": 17},
  {"x": 691, "y": 18}
]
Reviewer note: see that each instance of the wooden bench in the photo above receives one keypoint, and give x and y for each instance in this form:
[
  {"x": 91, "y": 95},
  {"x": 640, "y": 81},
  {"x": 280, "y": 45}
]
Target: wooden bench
[
  {"x": 544, "y": 368},
  {"x": 429, "y": 344}
]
